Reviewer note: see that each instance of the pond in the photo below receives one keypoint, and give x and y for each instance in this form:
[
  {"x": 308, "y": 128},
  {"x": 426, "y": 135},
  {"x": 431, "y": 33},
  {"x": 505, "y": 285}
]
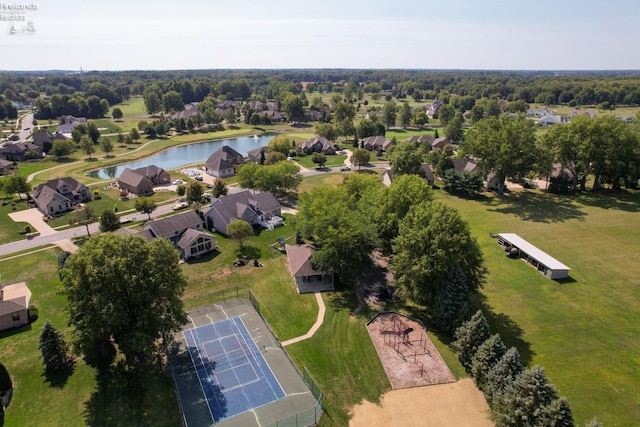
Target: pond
[{"x": 198, "y": 152}]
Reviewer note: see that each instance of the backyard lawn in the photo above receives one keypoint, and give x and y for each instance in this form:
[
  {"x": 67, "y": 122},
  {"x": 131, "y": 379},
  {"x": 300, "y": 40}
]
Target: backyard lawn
[{"x": 584, "y": 330}]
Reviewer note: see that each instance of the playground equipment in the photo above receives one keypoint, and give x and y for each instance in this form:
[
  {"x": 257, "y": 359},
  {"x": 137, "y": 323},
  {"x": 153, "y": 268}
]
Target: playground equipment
[{"x": 397, "y": 335}]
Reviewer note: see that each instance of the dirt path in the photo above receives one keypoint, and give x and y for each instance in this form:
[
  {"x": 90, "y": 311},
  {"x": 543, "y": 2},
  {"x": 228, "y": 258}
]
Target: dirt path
[{"x": 458, "y": 404}]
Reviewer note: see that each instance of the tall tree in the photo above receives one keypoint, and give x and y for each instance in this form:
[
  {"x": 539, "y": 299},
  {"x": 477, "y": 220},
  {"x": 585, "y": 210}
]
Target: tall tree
[
  {"x": 172, "y": 101},
  {"x": 194, "y": 193},
  {"x": 344, "y": 111},
  {"x": 405, "y": 159},
  {"x": 84, "y": 216},
  {"x": 87, "y": 145},
  {"x": 106, "y": 145},
  {"x": 360, "y": 157},
  {"x": 293, "y": 108},
  {"x": 135, "y": 135},
  {"x": 116, "y": 113},
  {"x": 405, "y": 115},
  {"x": 451, "y": 304},
  {"x": 453, "y": 130},
  {"x": 341, "y": 229},
  {"x": 145, "y": 205},
  {"x": 109, "y": 221},
  {"x": 469, "y": 337},
  {"x": 446, "y": 113},
  {"x": 17, "y": 184},
  {"x": 319, "y": 158},
  {"x": 389, "y": 113},
  {"x": 219, "y": 188},
  {"x": 432, "y": 241},
  {"x": 115, "y": 304},
  {"x": 327, "y": 130},
  {"x": 505, "y": 146},
  {"x": 239, "y": 230},
  {"x": 93, "y": 132},
  {"x": 54, "y": 349},
  {"x": 488, "y": 354},
  {"x": 281, "y": 144},
  {"x": 502, "y": 374},
  {"x": 62, "y": 148},
  {"x": 6, "y": 389}
]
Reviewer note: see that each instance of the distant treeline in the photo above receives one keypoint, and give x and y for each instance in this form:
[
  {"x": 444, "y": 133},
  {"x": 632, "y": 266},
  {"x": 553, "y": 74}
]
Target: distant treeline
[{"x": 541, "y": 87}]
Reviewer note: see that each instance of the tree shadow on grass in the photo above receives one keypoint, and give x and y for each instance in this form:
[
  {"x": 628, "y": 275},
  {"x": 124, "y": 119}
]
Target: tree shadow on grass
[
  {"x": 500, "y": 323},
  {"x": 627, "y": 201},
  {"x": 536, "y": 206},
  {"x": 59, "y": 378},
  {"x": 126, "y": 396}
]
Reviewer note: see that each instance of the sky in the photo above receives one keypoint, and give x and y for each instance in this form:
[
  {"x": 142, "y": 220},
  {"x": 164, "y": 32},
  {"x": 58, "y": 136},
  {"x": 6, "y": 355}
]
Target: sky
[{"x": 427, "y": 34}]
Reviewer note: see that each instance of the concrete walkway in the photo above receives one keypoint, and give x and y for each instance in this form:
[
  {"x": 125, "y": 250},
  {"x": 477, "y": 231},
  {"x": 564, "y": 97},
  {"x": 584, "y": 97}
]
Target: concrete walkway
[
  {"x": 315, "y": 327},
  {"x": 34, "y": 217}
]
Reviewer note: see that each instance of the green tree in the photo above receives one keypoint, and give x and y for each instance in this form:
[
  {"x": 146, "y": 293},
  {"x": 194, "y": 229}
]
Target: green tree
[
  {"x": 219, "y": 188},
  {"x": 453, "y": 130},
  {"x": 255, "y": 119},
  {"x": 341, "y": 229},
  {"x": 505, "y": 146},
  {"x": 239, "y": 231},
  {"x": 62, "y": 148},
  {"x": 346, "y": 128},
  {"x": 432, "y": 241},
  {"x": 280, "y": 144},
  {"x": 247, "y": 175},
  {"x": 84, "y": 216},
  {"x": 135, "y": 135},
  {"x": 405, "y": 115},
  {"x": 145, "y": 205},
  {"x": 194, "y": 193},
  {"x": 344, "y": 111},
  {"x": 152, "y": 102},
  {"x": 327, "y": 130},
  {"x": 451, "y": 305},
  {"x": 366, "y": 128},
  {"x": 109, "y": 221},
  {"x": 420, "y": 117},
  {"x": 172, "y": 101},
  {"x": 389, "y": 113},
  {"x": 106, "y": 145},
  {"x": 395, "y": 202},
  {"x": 116, "y": 113},
  {"x": 405, "y": 159},
  {"x": 469, "y": 336},
  {"x": 6, "y": 390},
  {"x": 360, "y": 157},
  {"x": 17, "y": 184},
  {"x": 87, "y": 145},
  {"x": 54, "y": 349},
  {"x": 274, "y": 157},
  {"x": 115, "y": 304},
  {"x": 93, "y": 132},
  {"x": 446, "y": 113},
  {"x": 293, "y": 108},
  {"x": 487, "y": 355},
  {"x": 120, "y": 139},
  {"x": 502, "y": 374},
  {"x": 78, "y": 131},
  {"x": 181, "y": 190},
  {"x": 319, "y": 158}
]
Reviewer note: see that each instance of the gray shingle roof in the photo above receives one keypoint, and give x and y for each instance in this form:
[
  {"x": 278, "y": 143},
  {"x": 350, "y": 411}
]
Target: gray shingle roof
[
  {"x": 176, "y": 223},
  {"x": 234, "y": 206},
  {"x": 224, "y": 158}
]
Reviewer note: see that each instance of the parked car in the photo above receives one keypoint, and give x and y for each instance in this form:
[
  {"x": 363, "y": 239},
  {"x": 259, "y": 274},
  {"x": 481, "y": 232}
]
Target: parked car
[
  {"x": 179, "y": 205},
  {"x": 198, "y": 177},
  {"x": 177, "y": 182},
  {"x": 345, "y": 168}
]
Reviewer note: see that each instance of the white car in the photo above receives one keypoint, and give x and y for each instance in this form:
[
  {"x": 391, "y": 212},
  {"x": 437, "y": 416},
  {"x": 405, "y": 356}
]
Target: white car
[
  {"x": 177, "y": 182},
  {"x": 179, "y": 205}
]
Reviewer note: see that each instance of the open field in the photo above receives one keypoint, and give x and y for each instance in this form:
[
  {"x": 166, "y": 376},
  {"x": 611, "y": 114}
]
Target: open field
[
  {"x": 9, "y": 230},
  {"x": 583, "y": 331}
]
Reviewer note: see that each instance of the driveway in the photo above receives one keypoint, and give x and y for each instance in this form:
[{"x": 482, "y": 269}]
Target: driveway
[{"x": 34, "y": 217}]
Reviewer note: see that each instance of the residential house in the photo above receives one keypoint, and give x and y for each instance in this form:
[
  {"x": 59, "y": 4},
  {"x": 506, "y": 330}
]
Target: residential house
[
  {"x": 313, "y": 115},
  {"x": 68, "y": 122},
  {"x": 14, "y": 304},
  {"x": 19, "y": 152},
  {"x": 271, "y": 116},
  {"x": 58, "y": 195},
  {"x": 225, "y": 105},
  {"x": 44, "y": 139},
  {"x": 428, "y": 174},
  {"x": 318, "y": 144},
  {"x": 464, "y": 165},
  {"x": 539, "y": 112},
  {"x": 6, "y": 166},
  {"x": 434, "y": 108},
  {"x": 306, "y": 276},
  {"x": 224, "y": 162},
  {"x": 256, "y": 209},
  {"x": 419, "y": 139},
  {"x": 190, "y": 110},
  {"x": 134, "y": 182},
  {"x": 186, "y": 232},
  {"x": 254, "y": 105},
  {"x": 255, "y": 154},
  {"x": 551, "y": 120},
  {"x": 440, "y": 143},
  {"x": 627, "y": 119},
  {"x": 576, "y": 113},
  {"x": 375, "y": 143}
]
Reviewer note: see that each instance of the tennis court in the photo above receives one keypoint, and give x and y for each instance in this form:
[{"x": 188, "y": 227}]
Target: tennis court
[{"x": 232, "y": 371}]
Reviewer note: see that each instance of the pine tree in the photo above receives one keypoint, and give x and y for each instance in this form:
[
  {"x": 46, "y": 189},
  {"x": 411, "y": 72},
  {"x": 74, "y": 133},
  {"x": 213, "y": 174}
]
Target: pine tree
[
  {"x": 488, "y": 354},
  {"x": 451, "y": 304},
  {"x": 502, "y": 374},
  {"x": 469, "y": 337},
  {"x": 54, "y": 349}
]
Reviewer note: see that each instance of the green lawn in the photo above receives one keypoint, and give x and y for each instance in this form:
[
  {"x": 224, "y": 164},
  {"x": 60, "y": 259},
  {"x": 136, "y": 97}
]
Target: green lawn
[
  {"x": 584, "y": 331},
  {"x": 9, "y": 230},
  {"x": 334, "y": 160}
]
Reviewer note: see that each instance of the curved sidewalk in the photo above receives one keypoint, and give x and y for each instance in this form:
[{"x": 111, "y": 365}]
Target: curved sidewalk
[{"x": 315, "y": 327}]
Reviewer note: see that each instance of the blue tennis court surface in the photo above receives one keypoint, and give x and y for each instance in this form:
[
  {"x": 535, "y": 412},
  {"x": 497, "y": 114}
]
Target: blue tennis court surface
[{"x": 233, "y": 373}]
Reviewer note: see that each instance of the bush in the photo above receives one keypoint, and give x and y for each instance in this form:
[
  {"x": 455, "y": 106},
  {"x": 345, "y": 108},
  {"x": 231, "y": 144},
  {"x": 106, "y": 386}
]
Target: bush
[
  {"x": 32, "y": 313},
  {"x": 27, "y": 229}
]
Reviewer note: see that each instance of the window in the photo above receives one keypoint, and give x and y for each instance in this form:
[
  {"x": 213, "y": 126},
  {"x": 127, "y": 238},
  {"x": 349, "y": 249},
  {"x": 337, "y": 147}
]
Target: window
[{"x": 15, "y": 316}]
